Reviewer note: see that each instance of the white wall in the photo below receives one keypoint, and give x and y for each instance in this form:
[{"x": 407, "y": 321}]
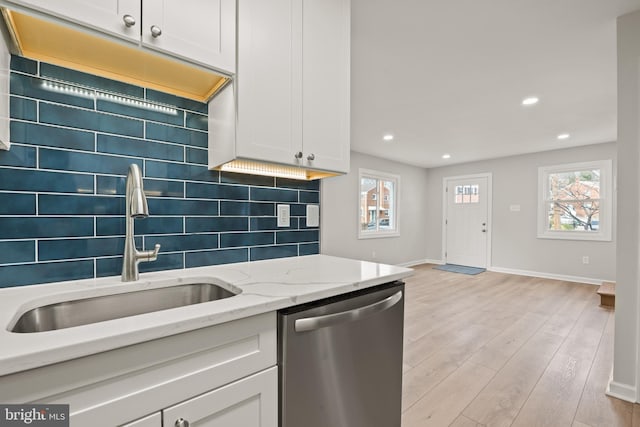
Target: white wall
[
  {"x": 339, "y": 230},
  {"x": 515, "y": 246},
  {"x": 625, "y": 364}
]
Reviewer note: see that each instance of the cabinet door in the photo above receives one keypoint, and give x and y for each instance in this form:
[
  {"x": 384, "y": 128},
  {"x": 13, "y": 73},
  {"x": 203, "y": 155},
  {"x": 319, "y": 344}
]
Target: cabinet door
[
  {"x": 250, "y": 402},
  {"x": 102, "y": 15},
  {"x": 326, "y": 89},
  {"x": 202, "y": 31},
  {"x": 153, "y": 420},
  {"x": 269, "y": 80}
]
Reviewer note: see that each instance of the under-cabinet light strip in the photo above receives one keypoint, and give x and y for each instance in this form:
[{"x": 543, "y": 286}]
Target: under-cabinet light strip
[
  {"x": 87, "y": 93},
  {"x": 264, "y": 169}
]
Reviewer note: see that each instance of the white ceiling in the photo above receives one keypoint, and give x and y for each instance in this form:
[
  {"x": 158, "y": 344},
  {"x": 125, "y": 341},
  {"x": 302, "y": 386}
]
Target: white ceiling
[{"x": 448, "y": 76}]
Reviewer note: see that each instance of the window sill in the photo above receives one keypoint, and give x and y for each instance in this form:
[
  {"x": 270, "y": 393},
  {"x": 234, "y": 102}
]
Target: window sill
[
  {"x": 378, "y": 235},
  {"x": 559, "y": 235}
]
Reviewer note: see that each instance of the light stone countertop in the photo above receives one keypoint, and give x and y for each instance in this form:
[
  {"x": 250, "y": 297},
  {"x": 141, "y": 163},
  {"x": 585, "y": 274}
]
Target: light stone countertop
[{"x": 266, "y": 286}]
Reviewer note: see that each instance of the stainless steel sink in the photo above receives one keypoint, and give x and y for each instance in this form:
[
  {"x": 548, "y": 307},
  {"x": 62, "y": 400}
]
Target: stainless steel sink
[{"x": 67, "y": 314}]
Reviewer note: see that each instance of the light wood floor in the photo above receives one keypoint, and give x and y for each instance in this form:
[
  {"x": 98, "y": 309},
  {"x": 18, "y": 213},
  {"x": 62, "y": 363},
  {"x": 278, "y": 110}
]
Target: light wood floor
[{"x": 503, "y": 350}]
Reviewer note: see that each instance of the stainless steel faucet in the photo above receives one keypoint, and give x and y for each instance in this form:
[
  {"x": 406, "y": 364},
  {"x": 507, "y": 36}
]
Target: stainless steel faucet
[{"x": 136, "y": 208}]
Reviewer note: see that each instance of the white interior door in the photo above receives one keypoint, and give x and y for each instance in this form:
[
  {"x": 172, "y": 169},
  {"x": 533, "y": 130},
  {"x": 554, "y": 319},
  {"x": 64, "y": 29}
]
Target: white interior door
[{"x": 467, "y": 221}]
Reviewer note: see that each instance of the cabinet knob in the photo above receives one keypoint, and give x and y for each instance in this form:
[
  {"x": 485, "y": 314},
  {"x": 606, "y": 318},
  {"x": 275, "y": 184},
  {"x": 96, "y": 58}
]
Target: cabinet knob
[
  {"x": 181, "y": 422},
  {"x": 311, "y": 157},
  {"x": 156, "y": 31},
  {"x": 129, "y": 20},
  {"x": 298, "y": 155}
]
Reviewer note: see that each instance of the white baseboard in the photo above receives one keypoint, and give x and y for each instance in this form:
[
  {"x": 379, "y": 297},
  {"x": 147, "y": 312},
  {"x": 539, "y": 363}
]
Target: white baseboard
[
  {"x": 621, "y": 391},
  {"x": 543, "y": 275},
  {"x": 421, "y": 261}
]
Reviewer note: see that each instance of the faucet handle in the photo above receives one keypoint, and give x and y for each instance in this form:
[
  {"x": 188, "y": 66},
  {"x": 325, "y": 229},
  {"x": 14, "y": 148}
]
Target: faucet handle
[
  {"x": 153, "y": 255},
  {"x": 146, "y": 256}
]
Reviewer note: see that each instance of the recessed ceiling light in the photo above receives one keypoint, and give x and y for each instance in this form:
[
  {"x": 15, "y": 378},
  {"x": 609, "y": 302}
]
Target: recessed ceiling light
[
  {"x": 388, "y": 137},
  {"x": 530, "y": 100},
  {"x": 563, "y": 136},
  {"x": 446, "y": 156}
]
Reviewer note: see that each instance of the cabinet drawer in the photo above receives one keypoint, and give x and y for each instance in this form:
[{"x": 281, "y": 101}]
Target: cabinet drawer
[
  {"x": 153, "y": 420},
  {"x": 250, "y": 402},
  {"x": 121, "y": 385}
]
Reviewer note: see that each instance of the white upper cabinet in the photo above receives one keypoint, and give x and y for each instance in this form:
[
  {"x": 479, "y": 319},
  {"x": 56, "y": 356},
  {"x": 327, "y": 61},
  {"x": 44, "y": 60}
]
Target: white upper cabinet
[
  {"x": 121, "y": 18},
  {"x": 292, "y": 86},
  {"x": 268, "y": 85},
  {"x": 325, "y": 84},
  {"x": 201, "y": 31}
]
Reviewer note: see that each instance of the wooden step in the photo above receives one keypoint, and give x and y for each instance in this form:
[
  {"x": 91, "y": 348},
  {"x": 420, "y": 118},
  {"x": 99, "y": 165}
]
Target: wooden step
[{"x": 607, "y": 292}]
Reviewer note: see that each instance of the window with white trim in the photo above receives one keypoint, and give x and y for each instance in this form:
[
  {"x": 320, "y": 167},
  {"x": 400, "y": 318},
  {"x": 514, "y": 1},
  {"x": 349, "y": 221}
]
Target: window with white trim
[
  {"x": 378, "y": 204},
  {"x": 575, "y": 201}
]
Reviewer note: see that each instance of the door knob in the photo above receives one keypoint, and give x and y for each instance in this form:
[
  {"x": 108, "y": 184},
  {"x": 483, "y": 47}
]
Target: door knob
[
  {"x": 311, "y": 157},
  {"x": 298, "y": 155},
  {"x": 129, "y": 20},
  {"x": 181, "y": 422},
  {"x": 156, "y": 31}
]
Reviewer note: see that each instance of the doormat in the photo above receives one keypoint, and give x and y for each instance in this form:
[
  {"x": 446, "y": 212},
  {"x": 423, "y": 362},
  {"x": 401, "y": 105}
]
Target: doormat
[{"x": 462, "y": 269}]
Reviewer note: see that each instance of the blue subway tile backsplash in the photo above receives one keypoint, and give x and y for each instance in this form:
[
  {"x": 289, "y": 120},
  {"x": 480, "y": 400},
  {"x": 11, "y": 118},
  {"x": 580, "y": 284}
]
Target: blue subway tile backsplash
[
  {"x": 223, "y": 256},
  {"x": 41, "y": 135},
  {"x": 20, "y": 156},
  {"x": 24, "y": 65},
  {"x": 139, "y": 147},
  {"x": 32, "y": 180},
  {"x": 24, "y": 109},
  {"x": 90, "y": 120},
  {"x": 17, "y": 251},
  {"x": 62, "y": 184},
  {"x": 32, "y": 87},
  {"x": 46, "y": 272},
  {"x": 17, "y": 204},
  {"x": 45, "y": 227},
  {"x": 88, "y": 80}
]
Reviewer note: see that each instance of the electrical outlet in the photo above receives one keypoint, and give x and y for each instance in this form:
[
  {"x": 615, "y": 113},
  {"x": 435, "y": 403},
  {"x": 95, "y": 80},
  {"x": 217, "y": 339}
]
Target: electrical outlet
[
  {"x": 313, "y": 216},
  {"x": 284, "y": 216},
  {"x": 373, "y": 254},
  {"x": 585, "y": 259}
]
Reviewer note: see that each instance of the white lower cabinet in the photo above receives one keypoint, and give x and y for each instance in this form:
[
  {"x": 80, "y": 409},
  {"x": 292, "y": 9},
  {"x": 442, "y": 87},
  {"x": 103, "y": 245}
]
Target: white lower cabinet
[
  {"x": 250, "y": 402},
  {"x": 153, "y": 420},
  {"x": 222, "y": 375}
]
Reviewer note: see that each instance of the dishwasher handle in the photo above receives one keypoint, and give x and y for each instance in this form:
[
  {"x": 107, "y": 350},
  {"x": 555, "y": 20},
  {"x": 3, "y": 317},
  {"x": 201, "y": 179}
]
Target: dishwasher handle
[{"x": 312, "y": 323}]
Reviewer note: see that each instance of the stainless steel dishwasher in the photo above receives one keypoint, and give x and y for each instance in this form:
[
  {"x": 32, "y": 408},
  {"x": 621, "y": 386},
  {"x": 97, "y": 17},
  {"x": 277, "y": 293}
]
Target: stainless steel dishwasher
[{"x": 340, "y": 360}]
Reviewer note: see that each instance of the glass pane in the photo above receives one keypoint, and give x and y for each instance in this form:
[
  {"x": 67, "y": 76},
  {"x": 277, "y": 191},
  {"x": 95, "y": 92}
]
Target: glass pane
[
  {"x": 458, "y": 194},
  {"x": 466, "y": 198},
  {"x": 386, "y": 214},
  {"x": 575, "y": 185},
  {"x": 574, "y": 216},
  {"x": 368, "y": 203},
  {"x": 475, "y": 197}
]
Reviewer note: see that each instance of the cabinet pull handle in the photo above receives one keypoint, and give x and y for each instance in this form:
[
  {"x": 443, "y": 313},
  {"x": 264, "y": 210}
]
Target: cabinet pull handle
[
  {"x": 181, "y": 422},
  {"x": 311, "y": 157},
  {"x": 129, "y": 21},
  {"x": 156, "y": 31},
  {"x": 298, "y": 155}
]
